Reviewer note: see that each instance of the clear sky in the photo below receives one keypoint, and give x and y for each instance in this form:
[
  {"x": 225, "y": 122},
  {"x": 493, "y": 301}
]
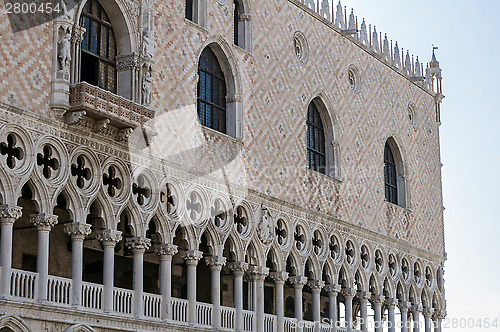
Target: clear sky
[{"x": 468, "y": 36}]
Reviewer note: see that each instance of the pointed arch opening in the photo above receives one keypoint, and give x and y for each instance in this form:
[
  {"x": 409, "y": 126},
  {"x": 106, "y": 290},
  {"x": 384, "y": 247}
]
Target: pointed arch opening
[
  {"x": 241, "y": 24},
  {"x": 394, "y": 175}
]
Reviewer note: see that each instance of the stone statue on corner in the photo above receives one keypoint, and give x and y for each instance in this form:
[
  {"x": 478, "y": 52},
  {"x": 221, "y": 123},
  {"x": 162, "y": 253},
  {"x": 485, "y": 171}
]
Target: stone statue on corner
[
  {"x": 147, "y": 81},
  {"x": 64, "y": 52}
]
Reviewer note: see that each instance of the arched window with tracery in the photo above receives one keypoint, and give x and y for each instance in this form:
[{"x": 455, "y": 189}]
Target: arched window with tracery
[
  {"x": 390, "y": 176},
  {"x": 98, "y": 49},
  {"x": 316, "y": 154},
  {"x": 211, "y": 92}
]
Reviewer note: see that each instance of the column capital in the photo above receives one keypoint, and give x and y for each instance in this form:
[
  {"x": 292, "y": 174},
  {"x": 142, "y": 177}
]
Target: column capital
[
  {"x": 258, "y": 272},
  {"x": 215, "y": 262},
  {"x": 348, "y": 292},
  {"x": 10, "y": 213},
  {"x": 377, "y": 299},
  {"x": 416, "y": 308},
  {"x": 404, "y": 305},
  {"x": 364, "y": 295},
  {"x": 332, "y": 289},
  {"x": 440, "y": 314},
  {"x": 166, "y": 251},
  {"x": 44, "y": 221},
  {"x": 109, "y": 237},
  {"x": 316, "y": 284},
  {"x": 238, "y": 268},
  {"x": 391, "y": 302},
  {"x": 298, "y": 281},
  {"x": 138, "y": 244},
  {"x": 77, "y": 231},
  {"x": 192, "y": 256},
  {"x": 427, "y": 312},
  {"x": 279, "y": 276}
]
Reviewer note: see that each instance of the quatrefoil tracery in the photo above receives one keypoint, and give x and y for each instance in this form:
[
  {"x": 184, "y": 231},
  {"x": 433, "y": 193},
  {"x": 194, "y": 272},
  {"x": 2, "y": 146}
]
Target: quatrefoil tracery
[
  {"x": 81, "y": 172},
  {"x": 240, "y": 220},
  {"x": 365, "y": 257},
  {"x": 300, "y": 238},
  {"x": 334, "y": 248},
  {"x": 193, "y": 205},
  {"x": 317, "y": 242},
  {"x": 349, "y": 252},
  {"x": 392, "y": 265},
  {"x": 281, "y": 233},
  {"x": 168, "y": 197},
  {"x": 111, "y": 180},
  {"x": 219, "y": 213},
  {"x": 12, "y": 151},
  {"x": 379, "y": 261},
  {"x": 47, "y": 161},
  {"x": 141, "y": 190}
]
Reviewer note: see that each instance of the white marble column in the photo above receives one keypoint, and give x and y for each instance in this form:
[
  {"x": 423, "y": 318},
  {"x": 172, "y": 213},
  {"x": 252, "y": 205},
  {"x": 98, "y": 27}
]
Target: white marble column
[
  {"x": 238, "y": 269},
  {"x": 298, "y": 283},
  {"x": 349, "y": 294},
  {"x": 138, "y": 245},
  {"x": 109, "y": 239},
  {"x": 415, "y": 312},
  {"x": 258, "y": 275},
  {"x": 316, "y": 286},
  {"x": 333, "y": 291},
  {"x": 192, "y": 257},
  {"x": 377, "y": 301},
  {"x": 44, "y": 223},
  {"x": 8, "y": 215},
  {"x": 438, "y": 318},
  {"x": 279, "y": 279},
  {"x": 166, "y": 252},
  {"x": 403, "y": 308},
  {"x": 363, "y": 308},
  {"x": 77, "y": 231},
  {"x": 427, "y": 312},
  {"x": 391, "y": 321},
  {"x": 216, "y": 263}
]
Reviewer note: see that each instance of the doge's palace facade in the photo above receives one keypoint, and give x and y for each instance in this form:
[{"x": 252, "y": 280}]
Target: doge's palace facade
[{"x": 187, "y": 165}]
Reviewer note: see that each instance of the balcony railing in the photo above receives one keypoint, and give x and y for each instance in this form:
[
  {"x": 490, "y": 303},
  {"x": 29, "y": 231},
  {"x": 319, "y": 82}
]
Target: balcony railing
[
  {"x": 24, "y": 286},
  {"x": 100, "y": 104}
]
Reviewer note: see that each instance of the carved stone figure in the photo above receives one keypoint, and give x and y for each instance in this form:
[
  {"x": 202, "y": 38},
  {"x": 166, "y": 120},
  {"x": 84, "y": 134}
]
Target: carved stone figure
[
  {"x": 64, "y": 52},
  {"x": 148, "y": 44},
  {"x": 265, "y": 229},
  {"x": 147, "y": 81}
]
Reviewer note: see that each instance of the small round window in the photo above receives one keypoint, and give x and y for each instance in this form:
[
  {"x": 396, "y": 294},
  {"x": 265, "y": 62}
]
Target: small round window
[
  {"x": 353, "y": 77},
  {"x": 300, "y": 46}
]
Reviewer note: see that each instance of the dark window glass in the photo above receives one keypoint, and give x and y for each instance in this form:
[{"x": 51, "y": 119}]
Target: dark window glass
[
  {"x": 189, "y": 9},
  {"x": 236, "y": 21},
  {"x": 390, "y": 176},
  {"x": 97, "y": 65},
  {"x": 315, "y": 140},
  {"x": 211, "y": 92}
]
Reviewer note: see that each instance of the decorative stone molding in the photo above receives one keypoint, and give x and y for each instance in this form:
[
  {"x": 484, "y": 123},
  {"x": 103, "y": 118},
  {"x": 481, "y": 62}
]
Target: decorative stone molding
[
  {"x": 348, "y": 292},
  {"x": 10, "y": 213},
  {"x": 127, "y": 62},
  {"x": 238, "y": 268},
  {"x": 138, "y": 244},
  {"x": 124, "y": 134},
  {"x": 316, "y": 284},
  {"x": 234, "y": 99},
  {"x": 44, "y": 221},
  {"x": 73, "y": 117},
  {"x": 109, "y": 237},
  {"x": 391, "y": 302},
  {"x": 333, "y": 289},
  {"x": 428, "y": 312},
  {"x": 168, "y": 250},
  {"x": 402, "y": 305},
  {"x": 377, "y": 299},
  {"x": 101, "y": 125},
  {"x": 417, "y": 308},
  {"x": 364, "y": 295},
  {"x": 77, "y": 231}
]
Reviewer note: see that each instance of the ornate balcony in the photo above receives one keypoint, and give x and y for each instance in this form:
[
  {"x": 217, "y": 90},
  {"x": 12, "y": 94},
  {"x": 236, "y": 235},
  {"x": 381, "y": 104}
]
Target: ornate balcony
[{"x": 102, "y": 105}]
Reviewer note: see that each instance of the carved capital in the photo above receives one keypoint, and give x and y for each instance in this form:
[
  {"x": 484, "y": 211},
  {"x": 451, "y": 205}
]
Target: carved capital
[
  {"x": 416, "y": 308},
  {"x": 166, "y": 250},
  {"x": 391, "y": 302},
  {"x": 10, "y": 213},
  {"x": 364, "y": 295},
  {"x": 216, "y": 262},
  {"x": 109, "y": 237},
  {"x": 127, "y": 62},
  {"x": 427, "y": 312},
  {"x": 245, "y": 17},
  {"x": 138, "y": 244},
  {"x": 298, "y": 281},
  {"x": 238, "y": 268},
  {"x": 258, "y": 273},
  {"x": 279, "y": 276},
  {"x": 348, "y": 292},
  {"x": 44, "y": 221},
  {"x": 404, "y": 305},
  {"x": 192, "y": 257},
  {"x": 377, "y": 299},
  {"x": 233, "y": 99},
  {"x": 77, "y": 231},
  {"x": 78, "y": 32},
  {"x": 332, "y": 289},
  {"x": 316, "y": 284}
]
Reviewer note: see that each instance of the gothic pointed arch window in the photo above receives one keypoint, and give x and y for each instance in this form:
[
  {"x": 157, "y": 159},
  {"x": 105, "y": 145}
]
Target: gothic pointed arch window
[
  {"x": 316, "y": 152},
  {"x": 98, "y": 48},
  {"x": 241, "y": 22},
  {"x": 394, "y": 179},
  {"x": 211, "y": 92}
]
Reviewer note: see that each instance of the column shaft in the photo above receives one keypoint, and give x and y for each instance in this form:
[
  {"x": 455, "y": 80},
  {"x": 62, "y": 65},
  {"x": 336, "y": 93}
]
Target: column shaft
[
  {"x": 138, "y": 281},
  {"x": 191, "y": 293},
  {"x": 363, "y": 302},
  {"x": 391, "y": 318},
  {"x": 404, "y": 318},
  {"x": 259, "y": 287},
  {"x": 238, "y": 299},
  {"x": 377, "y": 308},
  {"x": 416, "y": 320},
  {"x": 280, "y": 307},
  {"x": 108, "y": 276},
  {"x": 6, "y": 256},
  {"x": 348, "y": 312},
  {"x": 42, "y": 263},
  {"x": 77, "y": 270}
]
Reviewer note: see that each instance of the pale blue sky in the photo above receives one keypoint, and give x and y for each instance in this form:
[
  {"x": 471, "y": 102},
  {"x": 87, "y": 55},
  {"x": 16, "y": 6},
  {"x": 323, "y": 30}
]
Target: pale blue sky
[{"x": 468, "y": 36}]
